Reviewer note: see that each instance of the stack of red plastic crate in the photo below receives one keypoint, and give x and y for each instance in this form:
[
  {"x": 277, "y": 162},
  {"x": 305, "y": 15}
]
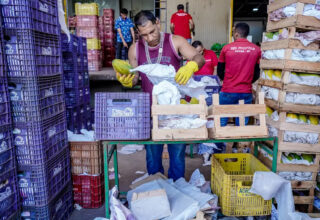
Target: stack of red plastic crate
[
  {"x": 108, "y": 36},
  {"x": 87, "y": 26}
]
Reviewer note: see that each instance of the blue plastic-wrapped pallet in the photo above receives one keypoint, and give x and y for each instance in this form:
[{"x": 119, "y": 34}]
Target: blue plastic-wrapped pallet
[
  {"x": 36, "y": 98},
  {"x": 9, "y": 195},
  {"x": 71, "y": 45},
  {"x": 74, "y": 120},
  {"x": 122, "y": 116},
  {"x": 38, "y": 185},
  {"x": 36, "y": 15},
  {"x": 30, "y": 53},
  {"x": 213, "y": 85},
  {"x": 38, "y": 142},
  {"x": 60, "y": 208}
]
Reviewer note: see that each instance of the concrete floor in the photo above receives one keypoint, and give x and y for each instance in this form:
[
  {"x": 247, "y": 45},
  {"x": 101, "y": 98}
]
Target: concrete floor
[{"x": 128, "y": 165}]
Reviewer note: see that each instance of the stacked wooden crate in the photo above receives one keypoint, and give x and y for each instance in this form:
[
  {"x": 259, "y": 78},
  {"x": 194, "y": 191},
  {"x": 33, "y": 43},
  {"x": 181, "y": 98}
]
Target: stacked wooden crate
[{"x": 281, "y": 51}]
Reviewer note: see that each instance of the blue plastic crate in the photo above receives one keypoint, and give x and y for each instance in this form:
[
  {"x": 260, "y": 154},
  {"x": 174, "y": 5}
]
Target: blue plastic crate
[
  {"x": 36, "y": 98},
  {"x": 122, "y": 116},
  {"x": 38, "y": 185},
  {"x": 9, "y": 195},
  {"x": 5, "y": 113},
  {"x": 70, "y": 62},
  {"x": 60, "y": 208},
  {"x": 74, "y": 121},
  {"x": 210, "y": 90},
  {"x": 38, "y": 142},
  {"x": 86, "y": 78},
  {"x": 73, "y": 80},
  {"x": 7, "y": 150},
  {"x": 30, "y": 53},
  {"x": 82, "y": 45},
  {"x": 71, "y": 45},
  {"x": 37, "y": 15}
]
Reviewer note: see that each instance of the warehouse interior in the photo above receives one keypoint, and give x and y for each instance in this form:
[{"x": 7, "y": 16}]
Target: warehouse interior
[{"x": 204, "y": 110}]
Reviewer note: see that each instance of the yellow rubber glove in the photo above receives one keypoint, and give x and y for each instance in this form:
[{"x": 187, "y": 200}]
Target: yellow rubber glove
[
  {"x": 185, "y": 72},
  {"x": 183, "y": 101},
  {"x": 126, "y": 81},
  {"x": 194, "y": 101}
]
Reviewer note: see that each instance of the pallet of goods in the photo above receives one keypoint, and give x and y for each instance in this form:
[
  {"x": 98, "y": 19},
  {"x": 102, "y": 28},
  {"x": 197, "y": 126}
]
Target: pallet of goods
[{"x": 290, "y": 67}]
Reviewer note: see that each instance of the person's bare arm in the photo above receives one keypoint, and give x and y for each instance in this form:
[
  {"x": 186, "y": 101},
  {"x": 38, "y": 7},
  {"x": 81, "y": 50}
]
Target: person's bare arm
[
  {"x": 133, "y": 61},
  {"x": 187, "y": 51},
  {"x": 191, "y": 24},
  {"x": 133, "y": 35},
  {"x": 172, "y": 28},
  {"x": 120, "y": 34}
]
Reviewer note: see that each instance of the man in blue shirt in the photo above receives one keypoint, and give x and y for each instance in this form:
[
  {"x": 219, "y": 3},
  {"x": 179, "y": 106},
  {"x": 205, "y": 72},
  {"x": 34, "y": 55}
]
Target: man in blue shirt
[{"x": 125, "y": 33}]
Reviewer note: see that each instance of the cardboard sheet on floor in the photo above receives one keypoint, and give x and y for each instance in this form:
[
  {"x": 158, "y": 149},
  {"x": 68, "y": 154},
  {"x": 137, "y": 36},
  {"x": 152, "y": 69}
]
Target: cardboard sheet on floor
[
  {"x": 148, "y": 179},
  {"x": 183, "y": 207},
  {"x": 142, "y": 205}
]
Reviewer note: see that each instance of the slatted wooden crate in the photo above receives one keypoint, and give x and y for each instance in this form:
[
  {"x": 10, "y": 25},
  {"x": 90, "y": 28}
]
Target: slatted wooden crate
[
  {"x": 217, "y": 111},
  {"x": 283, "y": 126},
  {"x": 298, "y": 20},
  {"x": 159, "y": 134},
  {"x": 306, "y": 186},
  {"x": 287, "y": 63},
  {"x": 281, "y": 105}
]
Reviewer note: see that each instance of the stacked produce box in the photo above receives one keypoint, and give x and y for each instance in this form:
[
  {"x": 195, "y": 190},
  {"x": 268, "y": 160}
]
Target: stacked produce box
[
  {"x": 34, "y": 68},
  {"x": 87, "y": 173},
  {"x": 9, "y": 194},
  {"x": 87, "y": 26},
  {"x": 289, "y": 77},
  {"x": 76, "y": 83},
  {"x": 108, "y": 36}
]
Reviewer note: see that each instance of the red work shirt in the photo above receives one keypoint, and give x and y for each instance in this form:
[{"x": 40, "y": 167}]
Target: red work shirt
[
  {"x": 211, "y": 62},
  {"x": 180, "y": 19},
  {"x": 240, "y": 58}
]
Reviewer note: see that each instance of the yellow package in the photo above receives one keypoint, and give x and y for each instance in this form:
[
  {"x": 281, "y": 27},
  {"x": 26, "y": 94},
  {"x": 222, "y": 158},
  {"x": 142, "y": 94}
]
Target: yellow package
[{"x": 87, "y": 9}]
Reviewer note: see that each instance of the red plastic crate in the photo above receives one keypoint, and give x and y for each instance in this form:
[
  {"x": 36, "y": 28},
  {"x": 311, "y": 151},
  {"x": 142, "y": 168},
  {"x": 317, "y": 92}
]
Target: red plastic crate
[
  {"x": 108, "y": 63},
  {"x": 94, "y": 65},
  {"x": 87, "y": 32},
  {"x": 88, "y": 190},
  {"x": 87, "y": 21},
  {"x": 108, "y": 28},
  {"x": 108, "y": 12},
  {"x": 94, "y": 55},
  {"x": 109, "y": 35},
  {"x": 108, "y": 21}
]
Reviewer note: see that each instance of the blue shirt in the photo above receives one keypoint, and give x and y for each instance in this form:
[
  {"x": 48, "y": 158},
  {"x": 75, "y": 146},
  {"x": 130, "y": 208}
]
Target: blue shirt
[{"x": 124, "y": 25}]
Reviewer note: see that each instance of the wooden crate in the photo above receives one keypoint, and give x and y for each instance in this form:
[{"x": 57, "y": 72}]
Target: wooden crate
[
  {"x": 308, "y": 186},
  {"x": 298, "y": 20},
  {"x": 283, "y": 106},
  {"x": 241, "y": 110},
  {"x": 283, "y": 126},
  {"x": 288, "y": 43},
  {"x": 158, "y": 134},
  {"x": 287, "y": 63},
  {"x": 86, "y": 157}
]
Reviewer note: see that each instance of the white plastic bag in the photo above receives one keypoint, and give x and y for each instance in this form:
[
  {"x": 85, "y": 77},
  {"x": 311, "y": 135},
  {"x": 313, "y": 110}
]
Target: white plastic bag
[
  {"x": 157, "y": 73},
  {"x": 118, "y": 210}
]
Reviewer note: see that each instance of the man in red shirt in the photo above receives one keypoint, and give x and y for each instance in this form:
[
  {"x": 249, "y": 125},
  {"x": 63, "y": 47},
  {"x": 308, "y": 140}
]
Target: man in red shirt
[
  {"x": 238, "y": 67},
  {"x": 210, "y": 58},
  {"x": 182, "y": 23}
]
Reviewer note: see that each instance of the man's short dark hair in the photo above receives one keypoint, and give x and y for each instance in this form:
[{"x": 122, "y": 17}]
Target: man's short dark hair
[
  {"x": 143, "y": 17},
  {"x": 124, "y": 11},
  {"x": 180, "y": 7},
  {"x": 197, "y": 43},
  {"x": 243, "y": 29}
]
